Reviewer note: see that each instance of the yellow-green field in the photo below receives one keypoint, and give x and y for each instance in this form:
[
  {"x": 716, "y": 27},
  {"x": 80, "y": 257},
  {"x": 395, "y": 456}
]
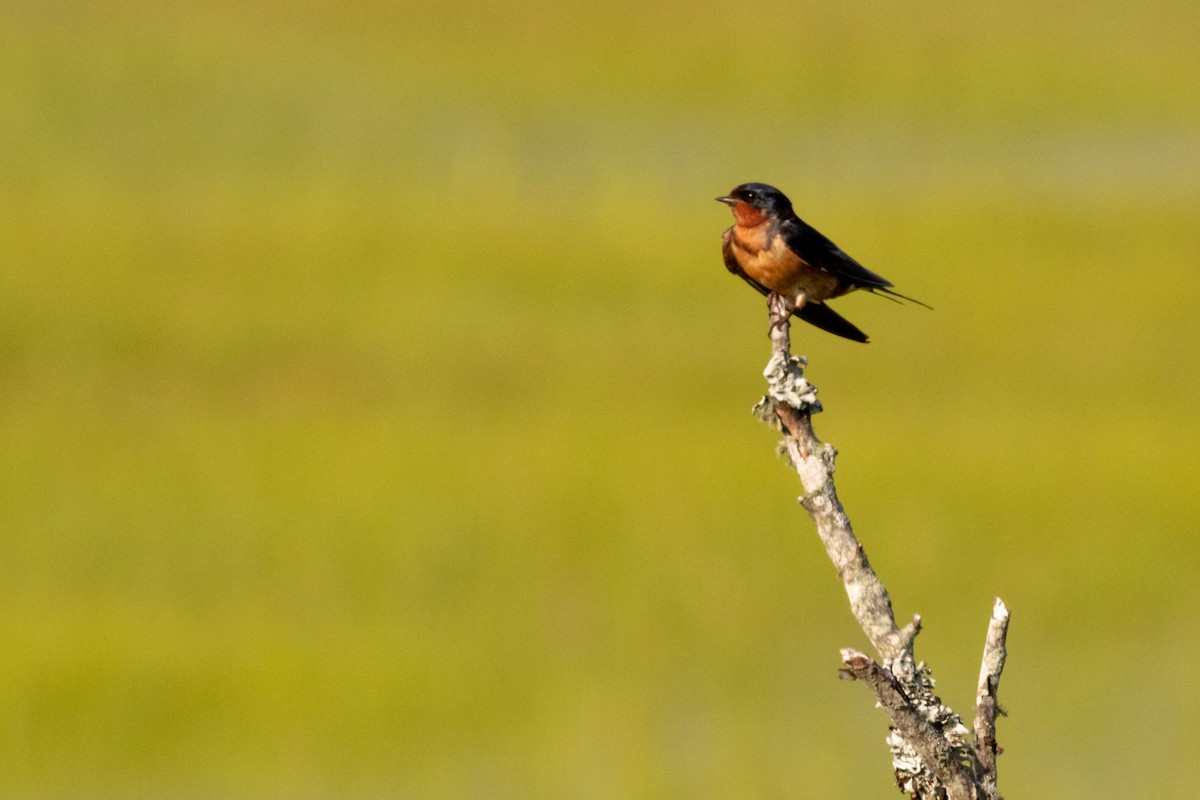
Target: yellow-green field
[{"x": 374, "y": 404}]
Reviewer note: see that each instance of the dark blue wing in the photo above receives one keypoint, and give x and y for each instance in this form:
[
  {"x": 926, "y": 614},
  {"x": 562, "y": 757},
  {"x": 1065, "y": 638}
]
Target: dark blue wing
[{"x": 808, "y": 243}]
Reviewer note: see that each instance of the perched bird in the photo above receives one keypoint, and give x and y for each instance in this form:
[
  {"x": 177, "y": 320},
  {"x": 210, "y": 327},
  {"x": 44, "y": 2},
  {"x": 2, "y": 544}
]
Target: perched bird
[{"x": 773, "y": 250}]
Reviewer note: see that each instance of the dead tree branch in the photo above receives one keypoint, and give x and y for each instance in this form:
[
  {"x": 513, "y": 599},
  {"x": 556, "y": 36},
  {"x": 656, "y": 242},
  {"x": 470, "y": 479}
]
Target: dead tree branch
[
  {"x": 986, "y": 708},
  {"x": 931, "y": 755}
]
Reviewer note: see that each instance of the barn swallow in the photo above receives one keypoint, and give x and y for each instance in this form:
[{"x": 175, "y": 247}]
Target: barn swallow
[{"x": 773, "y": 250}]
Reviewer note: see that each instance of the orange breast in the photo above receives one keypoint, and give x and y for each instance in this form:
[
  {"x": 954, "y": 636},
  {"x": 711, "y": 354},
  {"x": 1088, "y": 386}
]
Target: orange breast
[{"x": 769, "y": 261}]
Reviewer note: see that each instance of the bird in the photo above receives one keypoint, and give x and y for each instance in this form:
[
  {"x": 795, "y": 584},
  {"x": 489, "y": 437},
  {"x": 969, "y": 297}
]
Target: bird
[{"x": 776, "y": 252}]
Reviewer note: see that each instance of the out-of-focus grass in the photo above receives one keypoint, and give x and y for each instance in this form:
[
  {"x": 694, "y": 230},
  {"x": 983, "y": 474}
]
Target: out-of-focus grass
[{"x": 373, "y": 401}]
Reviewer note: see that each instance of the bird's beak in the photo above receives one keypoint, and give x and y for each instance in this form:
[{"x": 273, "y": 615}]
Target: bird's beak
[{"x": 729, "y": 201}]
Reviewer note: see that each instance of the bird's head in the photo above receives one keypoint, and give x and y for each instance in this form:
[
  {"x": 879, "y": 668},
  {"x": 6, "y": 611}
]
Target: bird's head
[{"x": 754, "y": 202}]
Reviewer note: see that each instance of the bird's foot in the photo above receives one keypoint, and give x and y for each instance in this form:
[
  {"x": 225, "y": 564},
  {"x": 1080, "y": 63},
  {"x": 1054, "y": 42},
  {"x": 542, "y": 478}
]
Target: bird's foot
[{"x": 780, "y": 308}]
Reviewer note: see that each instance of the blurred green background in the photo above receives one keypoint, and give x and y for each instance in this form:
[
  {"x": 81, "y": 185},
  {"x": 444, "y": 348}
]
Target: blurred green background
[{"x": 374, "y": 404}]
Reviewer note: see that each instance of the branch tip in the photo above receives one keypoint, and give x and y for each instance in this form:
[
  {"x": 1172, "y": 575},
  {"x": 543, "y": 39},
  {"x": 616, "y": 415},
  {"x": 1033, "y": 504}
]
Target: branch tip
[{"x": 909, "y": 632}]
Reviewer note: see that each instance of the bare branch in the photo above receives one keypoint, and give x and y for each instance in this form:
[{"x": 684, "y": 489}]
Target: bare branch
[
  {"x": 930, "y": 754},
  {"x": 910, "y": 722},
  {"x": 994, "y": 653},
  {"x": 792, "y": 401}
]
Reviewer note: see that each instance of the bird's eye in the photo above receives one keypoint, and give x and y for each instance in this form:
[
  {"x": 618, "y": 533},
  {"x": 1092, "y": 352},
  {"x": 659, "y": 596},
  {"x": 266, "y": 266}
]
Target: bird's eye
[{"x": 751, "y": 196}]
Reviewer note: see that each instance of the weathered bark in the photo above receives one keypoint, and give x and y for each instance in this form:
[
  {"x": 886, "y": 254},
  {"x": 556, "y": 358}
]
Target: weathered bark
[{"x": 931, "y": 756}]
